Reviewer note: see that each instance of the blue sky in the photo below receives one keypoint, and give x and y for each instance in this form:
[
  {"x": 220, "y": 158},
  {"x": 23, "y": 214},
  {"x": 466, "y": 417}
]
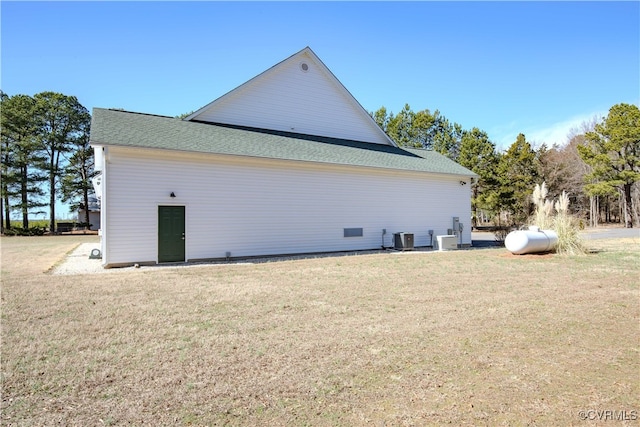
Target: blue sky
[
  {"x": 539, "y": 68},
  {"x": 505, "y": 67}
]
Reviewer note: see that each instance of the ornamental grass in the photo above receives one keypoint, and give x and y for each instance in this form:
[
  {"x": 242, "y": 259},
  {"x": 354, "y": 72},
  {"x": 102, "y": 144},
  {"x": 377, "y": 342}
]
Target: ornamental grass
[{"x": 555, "y": 216}]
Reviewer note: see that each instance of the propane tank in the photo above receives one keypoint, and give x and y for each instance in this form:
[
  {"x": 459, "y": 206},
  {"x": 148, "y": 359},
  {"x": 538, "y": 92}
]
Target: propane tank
[{"x": 531, "y": 241}]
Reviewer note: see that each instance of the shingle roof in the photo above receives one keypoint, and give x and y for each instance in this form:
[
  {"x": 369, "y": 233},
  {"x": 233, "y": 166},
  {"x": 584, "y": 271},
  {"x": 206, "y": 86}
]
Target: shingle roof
[{"x": 127, "y": 129}]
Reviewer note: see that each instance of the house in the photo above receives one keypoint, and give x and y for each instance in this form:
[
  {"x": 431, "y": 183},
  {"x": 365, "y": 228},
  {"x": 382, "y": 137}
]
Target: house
[
  {"x": 94, "y": 214},
  {"x": 287, "y": 163}
]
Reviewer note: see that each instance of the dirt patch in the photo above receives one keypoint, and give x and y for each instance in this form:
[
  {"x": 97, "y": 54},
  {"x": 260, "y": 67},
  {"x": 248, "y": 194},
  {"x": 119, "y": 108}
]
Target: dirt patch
[{"x": 542, "y": 255}]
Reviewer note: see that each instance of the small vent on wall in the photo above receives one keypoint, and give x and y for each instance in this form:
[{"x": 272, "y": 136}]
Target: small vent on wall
[
  {"x": 304, "y": 67},
  {"x": 353, "y": 232}
]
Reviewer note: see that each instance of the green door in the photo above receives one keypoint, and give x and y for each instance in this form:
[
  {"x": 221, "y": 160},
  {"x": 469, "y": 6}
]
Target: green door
[{"x": 171, "y": 236}]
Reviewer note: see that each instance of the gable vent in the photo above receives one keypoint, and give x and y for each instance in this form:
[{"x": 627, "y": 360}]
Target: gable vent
[{"x": 304, "y": 67}]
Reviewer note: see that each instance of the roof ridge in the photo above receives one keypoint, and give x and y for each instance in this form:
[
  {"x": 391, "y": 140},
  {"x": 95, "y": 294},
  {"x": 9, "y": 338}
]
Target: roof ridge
[
  {"x": 122, "y": 110},
  {"x": 315, "y": 138}
]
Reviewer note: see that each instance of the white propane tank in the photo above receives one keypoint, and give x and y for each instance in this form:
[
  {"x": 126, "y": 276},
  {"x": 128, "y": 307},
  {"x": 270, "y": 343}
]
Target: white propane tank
[{"x": 530, "y": 241}]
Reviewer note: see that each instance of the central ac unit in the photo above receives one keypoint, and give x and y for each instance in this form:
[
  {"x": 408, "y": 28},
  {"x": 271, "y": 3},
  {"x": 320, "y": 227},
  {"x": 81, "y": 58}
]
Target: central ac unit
[{"x": 403, "y": 241}]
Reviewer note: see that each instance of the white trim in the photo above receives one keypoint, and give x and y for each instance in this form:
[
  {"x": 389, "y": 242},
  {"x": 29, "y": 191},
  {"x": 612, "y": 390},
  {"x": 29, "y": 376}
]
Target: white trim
[{"x": 104, "y": 209}]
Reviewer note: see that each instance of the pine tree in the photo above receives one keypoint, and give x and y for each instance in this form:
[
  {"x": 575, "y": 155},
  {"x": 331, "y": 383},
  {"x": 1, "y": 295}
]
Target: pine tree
[
  {"x": 517, "y": 174},
  {"x": 613, "y": 152},
  {"x": 76, "y": 180},
  {"x": 21, "y": 178},
  {"x": 61, "y": 120},
  {"x": 478, "y": 154}
]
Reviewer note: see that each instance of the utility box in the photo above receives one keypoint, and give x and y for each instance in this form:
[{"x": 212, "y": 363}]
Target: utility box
[
  {"x": 447, "y": 242},
  {"x": 403, "y": 241}
]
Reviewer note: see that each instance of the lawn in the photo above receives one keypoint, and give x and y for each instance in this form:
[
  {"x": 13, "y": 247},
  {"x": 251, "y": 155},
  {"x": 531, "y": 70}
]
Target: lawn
[{"x": 475, "y": 337}]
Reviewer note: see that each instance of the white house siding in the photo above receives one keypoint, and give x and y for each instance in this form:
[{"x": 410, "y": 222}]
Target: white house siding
[
  {"x": 251, "y": 207},
  {"x": 289, "y": 99}
]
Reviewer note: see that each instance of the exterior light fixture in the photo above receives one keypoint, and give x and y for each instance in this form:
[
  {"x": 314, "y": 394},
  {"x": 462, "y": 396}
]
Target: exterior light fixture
[
  {"x": 461, "y": 183},
  {"x": 172, "y": 195}
]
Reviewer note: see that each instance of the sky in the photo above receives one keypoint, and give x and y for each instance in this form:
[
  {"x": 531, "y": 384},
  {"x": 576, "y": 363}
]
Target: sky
[{"x": 538, "y": 68}]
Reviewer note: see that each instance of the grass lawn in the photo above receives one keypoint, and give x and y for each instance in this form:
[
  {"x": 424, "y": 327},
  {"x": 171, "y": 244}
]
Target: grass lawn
[{"x": 477, "y": 337}]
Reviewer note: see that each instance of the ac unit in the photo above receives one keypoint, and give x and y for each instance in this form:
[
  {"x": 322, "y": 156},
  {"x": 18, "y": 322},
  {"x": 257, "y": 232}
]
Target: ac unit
[{"x": 403, "y": 241}]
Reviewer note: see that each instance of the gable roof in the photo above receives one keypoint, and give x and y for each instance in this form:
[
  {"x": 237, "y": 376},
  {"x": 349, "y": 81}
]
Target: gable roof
[
  {"x": 127, "y": 129},
  {"x": 299, "y": 94}
]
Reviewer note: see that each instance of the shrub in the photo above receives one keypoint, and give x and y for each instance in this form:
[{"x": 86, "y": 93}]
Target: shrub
[
  {"x": 30, "y": 231},
  {"x": 500, "y": 233}
]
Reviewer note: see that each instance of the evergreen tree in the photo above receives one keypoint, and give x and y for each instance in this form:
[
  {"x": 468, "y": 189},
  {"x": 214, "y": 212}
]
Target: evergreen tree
[
  {"x": 478, "y": 154},
  {"x": 61, "y": 120},
  {"x": 517, "y": 176},
  {"x": 422, "y": 129},
  {"x": 400, "y": 128},
  {"x": 21, "y": 178},
  {"x": 76, "y": 180},
  {"x": 447, "y": 137},
  {"x": 381, "y": 118},
  {"x": 613, "y": 152}
]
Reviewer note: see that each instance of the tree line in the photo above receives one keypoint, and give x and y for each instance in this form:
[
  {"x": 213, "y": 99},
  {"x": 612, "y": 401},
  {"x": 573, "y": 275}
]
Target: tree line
[
  {"x": 599, "y": 166},
  {"x": 45, "y": 155}
]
